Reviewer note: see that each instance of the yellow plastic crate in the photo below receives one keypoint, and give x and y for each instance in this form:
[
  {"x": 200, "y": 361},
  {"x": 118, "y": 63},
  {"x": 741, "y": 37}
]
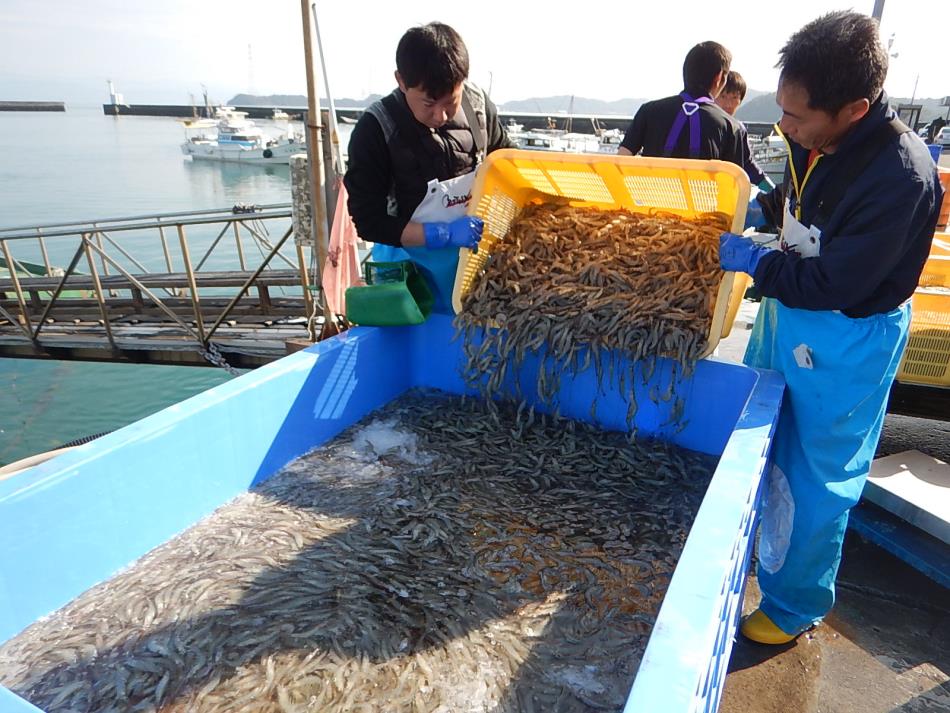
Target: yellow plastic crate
[
  {"x": 937, "y": 268},
  {"x": 927, "y": 357},
  {"x": 511, "y": 178}
]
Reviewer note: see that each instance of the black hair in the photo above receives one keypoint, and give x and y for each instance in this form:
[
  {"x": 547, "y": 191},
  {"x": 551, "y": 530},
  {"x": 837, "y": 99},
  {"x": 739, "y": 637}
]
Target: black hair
[
  {"x": 837, "y": 59},
  {"x": 433, "y": 58},
  {"x": 703, "y": 63},
  {"x": 735, "y": 84}
]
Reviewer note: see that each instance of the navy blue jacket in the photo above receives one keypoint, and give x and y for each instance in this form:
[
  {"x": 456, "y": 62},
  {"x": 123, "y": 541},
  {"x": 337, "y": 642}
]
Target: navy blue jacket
[{"x": 875, "y": 243}]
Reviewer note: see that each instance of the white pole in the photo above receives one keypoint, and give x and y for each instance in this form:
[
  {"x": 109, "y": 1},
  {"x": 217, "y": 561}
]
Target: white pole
[{"x": 334, "y": 127}]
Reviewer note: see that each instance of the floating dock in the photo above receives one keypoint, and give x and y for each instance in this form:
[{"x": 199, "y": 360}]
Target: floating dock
[{"x": 255, "y": 301}]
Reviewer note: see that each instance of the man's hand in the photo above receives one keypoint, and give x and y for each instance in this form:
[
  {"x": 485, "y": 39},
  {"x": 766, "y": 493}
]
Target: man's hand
[
  {"x": 739, "y": 254},
  {"x": 464, "y": 232}
]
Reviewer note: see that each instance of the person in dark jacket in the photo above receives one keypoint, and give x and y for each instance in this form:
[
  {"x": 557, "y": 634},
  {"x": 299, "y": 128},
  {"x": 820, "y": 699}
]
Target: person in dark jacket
[
  {"x": 933, "y": 128},
  {"x": 857, "y": 215},
  {"x": 690, "y": 124},
  {"x": 730, "y": 99},
  {"x": 413, "y": 155}
]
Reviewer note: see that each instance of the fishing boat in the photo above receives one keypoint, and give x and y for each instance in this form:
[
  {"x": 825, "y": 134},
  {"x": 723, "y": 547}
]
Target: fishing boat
[
  {"x": 609, "y": 140},
  {"x": 25, "y": 269},
  {"x": 565, "y": 141},
  {"x": 538, "y": 140},
  {"x": 769, "y": 152},
  {"x": 231, "y": 136},
  {"x": 605, "y": 141}
]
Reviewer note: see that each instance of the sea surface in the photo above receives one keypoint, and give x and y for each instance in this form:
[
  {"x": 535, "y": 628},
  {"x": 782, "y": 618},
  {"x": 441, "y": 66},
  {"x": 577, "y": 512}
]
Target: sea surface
[{"x": 83, "y": 165}]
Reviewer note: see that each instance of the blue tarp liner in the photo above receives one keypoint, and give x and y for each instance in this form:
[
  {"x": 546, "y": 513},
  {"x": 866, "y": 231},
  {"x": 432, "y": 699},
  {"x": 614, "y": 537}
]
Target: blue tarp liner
[{"x": 75, "y": 521}]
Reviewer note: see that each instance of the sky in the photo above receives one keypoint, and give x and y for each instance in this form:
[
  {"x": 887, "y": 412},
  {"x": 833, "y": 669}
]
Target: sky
[{"x": 164, "y": 50}]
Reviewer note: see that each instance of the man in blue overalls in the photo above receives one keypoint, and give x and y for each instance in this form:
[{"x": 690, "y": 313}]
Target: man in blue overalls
[
  {"x": 413, "y": 155},
  {"x": 857, "y": 213}
]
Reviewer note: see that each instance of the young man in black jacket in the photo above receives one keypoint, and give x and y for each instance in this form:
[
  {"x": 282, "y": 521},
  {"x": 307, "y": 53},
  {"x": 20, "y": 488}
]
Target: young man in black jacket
[
  {"x": 413, "y": 155},
  {"x": 729, "y": 100},
  {"x": 857, "y": 214}
]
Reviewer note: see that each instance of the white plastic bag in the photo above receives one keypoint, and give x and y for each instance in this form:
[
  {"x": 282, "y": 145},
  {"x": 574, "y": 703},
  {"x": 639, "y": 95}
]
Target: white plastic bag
[{"x": 778, "y": 514}]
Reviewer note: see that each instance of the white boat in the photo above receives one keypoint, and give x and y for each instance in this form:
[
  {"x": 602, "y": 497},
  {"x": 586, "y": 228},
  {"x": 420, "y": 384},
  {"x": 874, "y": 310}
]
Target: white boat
[
  {"x": 231, "y": 136},
  {"x": 769, "y": 152},
  {"x": 607, "y": 141},
  {"x": 610, "y": 140},
  {"x": 538, "y": 140}
]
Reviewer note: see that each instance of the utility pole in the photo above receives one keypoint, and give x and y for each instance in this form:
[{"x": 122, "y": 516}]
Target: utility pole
[
  {"x": 878, "y": 10},
  {"x": 315, "y": 161}
]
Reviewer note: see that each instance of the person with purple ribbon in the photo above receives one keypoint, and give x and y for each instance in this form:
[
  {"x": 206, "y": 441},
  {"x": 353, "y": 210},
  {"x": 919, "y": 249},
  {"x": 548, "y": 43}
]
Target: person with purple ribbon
[{"x": 690, "y": 124}]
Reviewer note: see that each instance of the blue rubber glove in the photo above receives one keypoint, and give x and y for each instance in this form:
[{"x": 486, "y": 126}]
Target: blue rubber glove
[
  {"x": 464, "y": 232},
  {"x": 739, "y": 254}
]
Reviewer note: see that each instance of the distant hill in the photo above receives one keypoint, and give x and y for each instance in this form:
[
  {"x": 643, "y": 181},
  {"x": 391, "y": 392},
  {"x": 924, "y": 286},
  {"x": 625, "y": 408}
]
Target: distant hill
[
  {"x": 764, "y": 108},
  {"x": 761, "y": 108},
  {"x": 758, "y": 107},
  {"x": 581, "y": 105},
  {"x": 584, "y": 105},
  {"x": 544, "y": 105},
  {"x": 753, "y": 94},
  {"x": 295, "y": 100}
]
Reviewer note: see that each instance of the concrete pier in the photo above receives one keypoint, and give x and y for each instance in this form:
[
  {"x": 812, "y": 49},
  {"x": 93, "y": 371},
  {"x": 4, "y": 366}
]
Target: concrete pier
[{"x": 32, "y": 106}]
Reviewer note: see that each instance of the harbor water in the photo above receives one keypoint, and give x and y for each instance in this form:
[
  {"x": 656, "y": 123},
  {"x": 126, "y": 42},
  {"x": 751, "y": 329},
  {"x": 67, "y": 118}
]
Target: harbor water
[{"x": 84, "y": 166}]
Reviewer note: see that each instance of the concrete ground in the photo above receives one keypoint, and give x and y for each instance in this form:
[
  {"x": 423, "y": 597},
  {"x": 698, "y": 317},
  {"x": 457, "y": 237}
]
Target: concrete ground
[{"x": 885, "y": 648}]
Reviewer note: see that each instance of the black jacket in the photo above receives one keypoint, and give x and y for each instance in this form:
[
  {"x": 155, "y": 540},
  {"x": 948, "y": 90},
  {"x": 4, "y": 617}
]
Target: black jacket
[
  {"x": 414, "y": 156},
  {"x": 721, "y": 136},
  {"x": 875, "y": 242}
]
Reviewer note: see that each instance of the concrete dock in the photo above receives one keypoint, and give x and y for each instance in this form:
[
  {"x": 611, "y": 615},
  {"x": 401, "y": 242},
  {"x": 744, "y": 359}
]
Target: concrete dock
[{"x": 32, "y": 106}]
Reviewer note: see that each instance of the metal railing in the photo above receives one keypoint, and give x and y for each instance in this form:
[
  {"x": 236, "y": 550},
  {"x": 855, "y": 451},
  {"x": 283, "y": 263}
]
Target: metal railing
[{"x": 125, "y": 255}]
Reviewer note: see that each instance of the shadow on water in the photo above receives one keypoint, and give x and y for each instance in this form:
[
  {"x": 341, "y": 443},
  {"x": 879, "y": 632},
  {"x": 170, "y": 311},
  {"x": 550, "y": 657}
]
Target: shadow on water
[{"x": 541, "y": 548}]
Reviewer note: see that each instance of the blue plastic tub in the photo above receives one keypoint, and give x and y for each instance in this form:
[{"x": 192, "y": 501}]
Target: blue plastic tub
[
  {"x": 935, "y": 150},
  {"x": 77, "y": 520}
]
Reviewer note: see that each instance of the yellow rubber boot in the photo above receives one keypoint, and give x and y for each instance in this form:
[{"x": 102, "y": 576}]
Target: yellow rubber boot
[{"x": 759, "y": 628}]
